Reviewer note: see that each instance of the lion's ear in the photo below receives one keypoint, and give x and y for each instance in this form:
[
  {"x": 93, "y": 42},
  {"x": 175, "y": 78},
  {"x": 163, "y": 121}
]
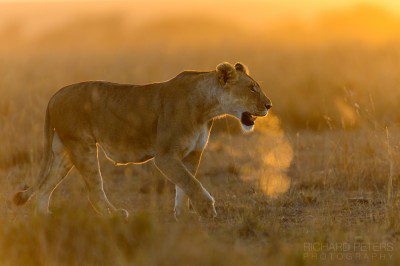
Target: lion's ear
[
  {"x": 241, "y": 68},
  {"x": 226, "y": 73}
]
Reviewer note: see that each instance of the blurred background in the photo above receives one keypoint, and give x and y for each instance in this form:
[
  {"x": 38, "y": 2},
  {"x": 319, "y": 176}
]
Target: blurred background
[
  {"x": 323, "y": 63},
  {"x": 322, "y": 167}
]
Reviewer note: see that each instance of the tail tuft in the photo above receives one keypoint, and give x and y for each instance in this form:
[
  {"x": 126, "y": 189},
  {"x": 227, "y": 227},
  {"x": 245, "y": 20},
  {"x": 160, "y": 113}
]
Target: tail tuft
[{"x": 21, "y": 197}]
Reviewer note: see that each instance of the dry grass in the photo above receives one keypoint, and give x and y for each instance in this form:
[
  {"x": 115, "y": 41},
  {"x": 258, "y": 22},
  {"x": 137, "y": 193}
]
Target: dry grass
[
  {"x": 316, "y": 183},
  {"x": 337, "y": 195}
]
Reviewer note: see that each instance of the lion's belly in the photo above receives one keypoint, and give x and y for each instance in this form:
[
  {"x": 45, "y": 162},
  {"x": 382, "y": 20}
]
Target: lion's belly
[
  {"x": 127, "y": 142},
  {"x": 129, "y": 154},
  {"x": 128, "y": 147}
]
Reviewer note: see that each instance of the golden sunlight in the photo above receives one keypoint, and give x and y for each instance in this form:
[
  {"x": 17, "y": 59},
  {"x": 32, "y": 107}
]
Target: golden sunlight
[
  {"x": 322, "y": 167},
  {"x": 273, "y": 156},
  {"x": 277, "y": 157}
]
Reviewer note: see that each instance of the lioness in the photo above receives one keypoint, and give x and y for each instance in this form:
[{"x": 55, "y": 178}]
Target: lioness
[{"x": 169, "y": 122}]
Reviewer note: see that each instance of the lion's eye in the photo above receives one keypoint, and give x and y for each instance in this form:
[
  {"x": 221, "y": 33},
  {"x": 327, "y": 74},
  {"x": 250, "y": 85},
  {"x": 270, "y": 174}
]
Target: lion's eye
[{"x": 252, "y": 89}]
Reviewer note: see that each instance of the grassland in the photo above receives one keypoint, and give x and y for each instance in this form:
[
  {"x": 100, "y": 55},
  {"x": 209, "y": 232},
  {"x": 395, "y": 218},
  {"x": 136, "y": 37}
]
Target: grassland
[
  {"x": 285, "y": 186},
  {"x": 316, "y": 183}
]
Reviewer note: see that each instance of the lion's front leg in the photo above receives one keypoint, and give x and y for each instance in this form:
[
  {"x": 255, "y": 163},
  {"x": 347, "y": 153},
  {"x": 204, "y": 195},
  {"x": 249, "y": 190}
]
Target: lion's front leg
[
  {"x": 174, "y": 169},
  {"x": 181, "y": 202},
  {"x": 191, "y": 161}
]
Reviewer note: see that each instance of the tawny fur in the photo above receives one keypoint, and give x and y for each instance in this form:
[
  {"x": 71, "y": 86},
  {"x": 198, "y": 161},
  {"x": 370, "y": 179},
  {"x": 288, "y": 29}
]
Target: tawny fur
[
  {"x": 169, "y": 122},
  {"x": 20, "y": 198}
]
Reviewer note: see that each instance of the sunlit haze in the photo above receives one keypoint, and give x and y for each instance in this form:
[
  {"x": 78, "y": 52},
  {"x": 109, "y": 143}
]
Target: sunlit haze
[{"x": 34, "y": 22}]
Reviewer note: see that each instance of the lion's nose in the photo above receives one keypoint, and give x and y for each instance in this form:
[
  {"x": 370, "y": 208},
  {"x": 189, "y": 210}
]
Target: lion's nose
[{"x": 268, "y": 106}]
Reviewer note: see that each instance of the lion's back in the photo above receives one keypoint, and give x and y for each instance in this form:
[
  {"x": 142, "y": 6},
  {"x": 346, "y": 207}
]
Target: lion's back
[{"x": 74, "y": 108}]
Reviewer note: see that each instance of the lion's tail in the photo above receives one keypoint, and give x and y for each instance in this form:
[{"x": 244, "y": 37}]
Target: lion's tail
[{"x": 24, "y": 195}]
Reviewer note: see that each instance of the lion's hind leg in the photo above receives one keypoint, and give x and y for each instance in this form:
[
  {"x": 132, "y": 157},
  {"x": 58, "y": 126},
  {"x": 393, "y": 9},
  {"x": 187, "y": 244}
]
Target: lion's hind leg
[
  {"x": 53, "y": 170},
  {"x": 85, "y": 159},
  {"x": 61, "y": 165}
]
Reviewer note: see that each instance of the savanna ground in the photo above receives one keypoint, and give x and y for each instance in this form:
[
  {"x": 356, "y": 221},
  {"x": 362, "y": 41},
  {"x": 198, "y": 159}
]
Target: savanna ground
[{"x": 317, "y": 182}]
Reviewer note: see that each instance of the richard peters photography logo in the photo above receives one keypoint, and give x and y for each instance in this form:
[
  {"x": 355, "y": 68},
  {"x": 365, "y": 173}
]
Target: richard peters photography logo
[{"x": 348, "y": 251}]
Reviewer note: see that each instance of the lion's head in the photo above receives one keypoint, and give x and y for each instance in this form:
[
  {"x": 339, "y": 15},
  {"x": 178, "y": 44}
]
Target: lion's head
[{"x": 242, "y": 96}]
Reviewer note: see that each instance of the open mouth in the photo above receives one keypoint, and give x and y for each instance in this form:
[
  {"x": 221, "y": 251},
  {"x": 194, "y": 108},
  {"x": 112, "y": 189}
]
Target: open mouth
[{"x": 248, "y": 119}]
